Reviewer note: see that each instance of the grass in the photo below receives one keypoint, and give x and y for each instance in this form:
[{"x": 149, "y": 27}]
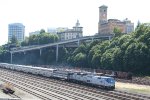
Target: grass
[
  {"x": 133, "y": 88},
  {"x": 147, "y": 77},
  {"x": 143, "y": 91}
]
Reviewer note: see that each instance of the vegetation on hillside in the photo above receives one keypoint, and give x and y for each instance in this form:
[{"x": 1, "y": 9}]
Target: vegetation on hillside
[{"x": 128, "y": 52}]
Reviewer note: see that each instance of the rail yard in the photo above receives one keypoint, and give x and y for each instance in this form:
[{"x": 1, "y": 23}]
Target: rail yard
[{"x": 46, "y": 88}]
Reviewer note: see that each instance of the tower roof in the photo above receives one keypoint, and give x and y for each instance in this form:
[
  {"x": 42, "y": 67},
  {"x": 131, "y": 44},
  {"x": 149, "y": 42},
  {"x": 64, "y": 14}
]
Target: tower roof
[
  {"x": 103, "y": 6},
  {"x": 77, "y": 24}
]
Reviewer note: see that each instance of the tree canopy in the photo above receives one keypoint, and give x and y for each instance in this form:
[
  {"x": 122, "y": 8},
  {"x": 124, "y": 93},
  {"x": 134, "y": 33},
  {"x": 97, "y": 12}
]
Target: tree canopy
[
  {"x": 42, "y": 38},
  {"x": 125, "y": 52}
]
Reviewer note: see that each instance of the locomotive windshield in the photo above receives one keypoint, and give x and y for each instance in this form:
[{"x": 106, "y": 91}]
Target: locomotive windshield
[{"x": 110, "y": 80}]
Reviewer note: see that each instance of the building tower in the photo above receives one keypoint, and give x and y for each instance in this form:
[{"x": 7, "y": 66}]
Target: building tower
[
  {"x": 17, "y": 30},
  {"x": 102, "y": 16},
  {"x": 78, "y": 29}
]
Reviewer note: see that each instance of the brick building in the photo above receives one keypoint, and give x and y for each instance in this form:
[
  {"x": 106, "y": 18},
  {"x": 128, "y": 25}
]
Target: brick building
[{"x": 107, "y": 26}]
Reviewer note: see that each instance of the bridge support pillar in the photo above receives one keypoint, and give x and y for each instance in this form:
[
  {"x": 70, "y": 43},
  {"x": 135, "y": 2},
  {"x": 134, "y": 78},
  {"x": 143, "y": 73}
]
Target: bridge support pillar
[
  {"x": 56, "y": 52},
  {"x": 11, "y": 57},
  {"x": 40, "y": 52},
  {"x": 25, "y": 57},
  {"x": 109, "y": 37},
  {"x": 92, "y": 39},
  {"x": 78, "y": 43}
]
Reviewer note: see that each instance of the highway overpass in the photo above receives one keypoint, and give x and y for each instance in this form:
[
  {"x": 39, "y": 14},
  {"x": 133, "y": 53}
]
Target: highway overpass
[{"x": 77, "y": 40}]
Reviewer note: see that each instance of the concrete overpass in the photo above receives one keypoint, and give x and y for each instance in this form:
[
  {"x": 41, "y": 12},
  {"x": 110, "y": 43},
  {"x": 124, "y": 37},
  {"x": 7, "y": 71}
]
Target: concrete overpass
[{"x": 35, "y": 47}]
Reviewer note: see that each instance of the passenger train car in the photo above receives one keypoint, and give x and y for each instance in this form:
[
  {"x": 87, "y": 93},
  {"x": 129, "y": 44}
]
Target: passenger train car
[{"x": 84, "y": 77}]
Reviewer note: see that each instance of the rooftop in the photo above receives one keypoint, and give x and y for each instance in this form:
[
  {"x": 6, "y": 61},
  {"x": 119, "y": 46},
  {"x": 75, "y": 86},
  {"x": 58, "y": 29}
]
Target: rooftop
[{"x": 103, "y": 6}]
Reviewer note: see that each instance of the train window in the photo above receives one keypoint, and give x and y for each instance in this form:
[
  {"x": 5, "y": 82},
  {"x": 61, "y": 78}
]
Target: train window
[{"x": 109, "y": 80}]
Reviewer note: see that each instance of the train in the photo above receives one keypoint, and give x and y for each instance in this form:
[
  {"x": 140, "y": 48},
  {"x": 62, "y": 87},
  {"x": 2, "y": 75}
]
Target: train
[{"x": 68, "y": 75}]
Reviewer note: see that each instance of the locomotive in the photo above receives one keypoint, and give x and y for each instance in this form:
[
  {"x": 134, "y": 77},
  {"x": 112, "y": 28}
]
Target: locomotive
[{"x": 69, "y": 75}]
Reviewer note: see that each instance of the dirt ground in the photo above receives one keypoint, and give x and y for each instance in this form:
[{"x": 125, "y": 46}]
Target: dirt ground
[
  {"x": 25, "y": 96},
  {"x": 135, "y": 88}
]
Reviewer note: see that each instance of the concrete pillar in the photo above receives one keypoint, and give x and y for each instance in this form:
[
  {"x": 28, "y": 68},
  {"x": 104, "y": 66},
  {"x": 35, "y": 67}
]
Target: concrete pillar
[
  {"x": 40, "y": 52},
  {"x": 25, "y": 57},
  {"x": 11, "y": 57},
  {"x": 56, "y": 52},
  {"x": 78, "y": 42},
  {"x": 92, "y": 39},
  {"x": 109, "y": 37}
]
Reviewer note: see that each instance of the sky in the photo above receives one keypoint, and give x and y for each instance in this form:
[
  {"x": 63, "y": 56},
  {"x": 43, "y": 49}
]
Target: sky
[{"x": 43, "y": 14}]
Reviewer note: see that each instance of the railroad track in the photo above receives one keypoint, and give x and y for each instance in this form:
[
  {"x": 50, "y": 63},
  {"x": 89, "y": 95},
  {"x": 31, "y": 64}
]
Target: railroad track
[
  {"x": 71, "y": 94},
  {"x": 123, "y": 93},
  {"x": 27, "y": 90},
  {"x": 113, "y": 94},
  {"x": 14, "y": 96},
  {"x": 54, "y": 88}
]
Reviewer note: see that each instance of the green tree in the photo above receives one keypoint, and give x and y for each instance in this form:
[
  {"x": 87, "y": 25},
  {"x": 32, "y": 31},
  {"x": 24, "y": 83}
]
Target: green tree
[
  {"x": 82, "y": 48},
  {"x": 117, "y": 32},
  {"x": 117, "y": 59},
  {"x": 14, "y": 41},
  {"x": 136, "y": 57},
  {"x": 33, "y": 40},
  {"x": 107, "y": 58},
  {"x": 143, "y": 34},
  {"x": 63, "y": 54},
  {"x": 141, "y": 30},
  {"x": 80, "y": 60},
  {"x": 42, "y": 31},
  {"x": 25, "y": 42},
  {"x": 48, "y": 56},
  {"x": 138, "y": 24},
  {"x": 43, "y": 38},
  {"x": 94, "y": 55},
  {"x": 4, "y": 54}
]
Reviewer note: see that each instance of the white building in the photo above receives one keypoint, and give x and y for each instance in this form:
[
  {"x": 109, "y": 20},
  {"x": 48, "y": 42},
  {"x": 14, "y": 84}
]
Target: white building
[
  {"x": 129, "y": 27},
  {"x": 61, "y": 29},
  {"x": 76, "y": 32},
  {"x": 17, "y": 30},
  {"x": 52, "y": 30}
]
